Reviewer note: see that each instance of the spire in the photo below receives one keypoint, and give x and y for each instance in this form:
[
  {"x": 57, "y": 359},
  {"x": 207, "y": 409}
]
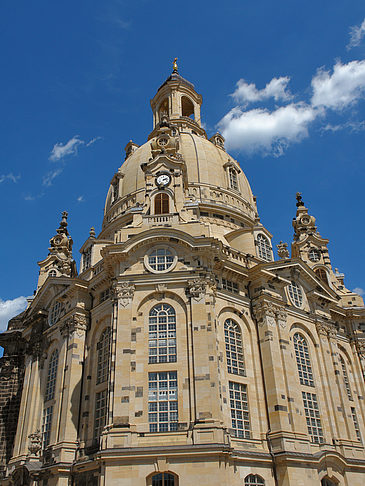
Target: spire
[
  {"x": 303, "y": 223},
  {"x": 59, "y": 262},
  {"x": 174, "y": 67}
]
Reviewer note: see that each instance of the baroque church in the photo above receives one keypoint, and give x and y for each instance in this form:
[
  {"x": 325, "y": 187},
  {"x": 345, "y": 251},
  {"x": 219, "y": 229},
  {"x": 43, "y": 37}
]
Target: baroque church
[{"x": 182, "y": 352}]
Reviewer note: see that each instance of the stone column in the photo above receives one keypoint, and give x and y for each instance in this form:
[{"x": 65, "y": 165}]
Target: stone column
[
  {"x": 73, "y": 332},
  {"x": 274, "y": 371},
  {"x": 122, "y": 389},
  {"x": 204, "y": 377},
  {"x": 329, "y": 400}
]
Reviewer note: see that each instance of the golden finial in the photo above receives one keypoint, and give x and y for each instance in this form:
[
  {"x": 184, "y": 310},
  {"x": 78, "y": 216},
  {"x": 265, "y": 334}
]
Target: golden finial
[{"x": 174, "y": 66}]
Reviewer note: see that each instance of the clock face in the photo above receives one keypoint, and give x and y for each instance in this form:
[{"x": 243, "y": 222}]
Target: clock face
[{"x": 163, "y": 180}]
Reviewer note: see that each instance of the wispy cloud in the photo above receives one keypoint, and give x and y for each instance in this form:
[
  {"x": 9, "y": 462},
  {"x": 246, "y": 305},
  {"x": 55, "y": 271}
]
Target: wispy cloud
[
  {"x": 80, "y": 199},
  {"x": 61, "y": 150},
  {"x": 93, "y": 140},
  {"x": 357, "y": 32},
  {"x": 353, "y": 126},
  {"x": 11, "y": 308},
  {"x": 9, "y": 177},
  {"x": 50, "y": 176},
  {"x": 359, "y": 290}
]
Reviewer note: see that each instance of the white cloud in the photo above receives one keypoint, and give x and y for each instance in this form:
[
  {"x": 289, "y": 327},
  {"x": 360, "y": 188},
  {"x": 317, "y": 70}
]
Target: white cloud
[
  {"x": 357, "y": 32},
  {"x": 80, "y": 199},
  {"x": 48, "y": 178},
  {"x": 10, "y": 177},
  {"x": 341, "y": 89},
  {"x": 359, "y": 290},
  {"x": 11, "y": 308},
  {"x": 260, "y": 130},
  {"x": 248, "y": 93},
  {"x": 61, "y": 150}
]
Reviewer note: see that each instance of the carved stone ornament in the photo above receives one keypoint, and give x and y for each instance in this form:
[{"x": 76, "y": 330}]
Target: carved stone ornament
[
  {"x": 265, "y": 313},
  {"x": 325, "y": 328},
  {"x": 269, "y": 313},
  {"x": 197, "y": 287},
  {"x": 361, "y": 349},
  {"x": 283, "y": 251},
  {"x": 281, "y": 316},
  {"x": 123, "y": 292},
  {"x": 35, "y": 443},
  {"x": 76, "y": 323}
]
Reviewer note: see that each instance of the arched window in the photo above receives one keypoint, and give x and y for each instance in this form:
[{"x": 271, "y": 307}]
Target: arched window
[
  {"x": 345, "y": 378},
  {"x": 234, "y": 349},
  {"x": 303, "y": 360},
  {"x": 51, "y": 376},
  {"x": 254, "y": 480},
  {"x": 163, "y": 109},
  {"x": 233, "y": 180},
  {"x": 103, "y": 352},
  {"x": 162, "y": 203},
  {"x": 295, "y": 294},
  {"x": 322, "y": 275},
  {"x": 52, "y": 273},
  {"x": 263, "y": 248},
  {"x": 162, "y": 334},
  {"x": 187, "y": 107},
  {"x": 49, "y": 395},
  {"x": 163, "y": 479}
]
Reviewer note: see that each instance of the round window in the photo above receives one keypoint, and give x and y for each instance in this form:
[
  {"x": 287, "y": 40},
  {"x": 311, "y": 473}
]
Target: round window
[
  {"x": 295, "y": 294},
  {"x": 162, "y": 141},
  {"x": 160, "y": 260}
]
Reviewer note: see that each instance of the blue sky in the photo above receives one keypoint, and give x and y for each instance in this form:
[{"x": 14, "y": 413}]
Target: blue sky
[{"x": 284, "y": 81}]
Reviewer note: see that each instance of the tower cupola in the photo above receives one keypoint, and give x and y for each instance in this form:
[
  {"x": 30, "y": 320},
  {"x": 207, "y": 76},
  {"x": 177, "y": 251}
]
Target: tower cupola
[{"x": 177, "y": 100}]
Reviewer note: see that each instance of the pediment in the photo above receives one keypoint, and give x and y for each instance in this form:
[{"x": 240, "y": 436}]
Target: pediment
[{"x": 300, "y": 272}]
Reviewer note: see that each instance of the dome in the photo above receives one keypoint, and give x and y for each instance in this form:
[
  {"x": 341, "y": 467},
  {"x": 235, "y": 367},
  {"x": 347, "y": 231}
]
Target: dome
[
  {"x": 201, "y": 177},
  {"x": 207, "y": 170}
]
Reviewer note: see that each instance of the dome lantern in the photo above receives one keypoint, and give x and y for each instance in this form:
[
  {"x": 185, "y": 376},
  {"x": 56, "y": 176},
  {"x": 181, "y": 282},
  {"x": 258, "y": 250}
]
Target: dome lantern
[{"x": 177, "y": 99}]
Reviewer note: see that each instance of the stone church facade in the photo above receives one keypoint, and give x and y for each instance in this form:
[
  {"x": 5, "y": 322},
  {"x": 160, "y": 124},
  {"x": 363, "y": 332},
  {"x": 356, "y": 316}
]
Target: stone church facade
[{"x": 182, "y": 352}]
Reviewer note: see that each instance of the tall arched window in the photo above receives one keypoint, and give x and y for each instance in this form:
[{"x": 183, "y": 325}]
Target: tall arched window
[
  {"x": 303, "y": 360},
  {"x": 162, "y": 203},
  {"x": 163, "y": 479},
  {"x": 310, "y": 402},
  {"x": 263, "y": 248},
  {"x": 234, "y": 349},
  {"x": 103, "y": 351},
  {"x": 51, "y": 376},
  {"x": 233, "y": 180},
  {"x": 187, "y": 107},
  {"x": 48, "y": 398},
  {"x": 162, "y": 334},
  {"x": 345, "y": 378},
  {"x": 254, "y": 480}
]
